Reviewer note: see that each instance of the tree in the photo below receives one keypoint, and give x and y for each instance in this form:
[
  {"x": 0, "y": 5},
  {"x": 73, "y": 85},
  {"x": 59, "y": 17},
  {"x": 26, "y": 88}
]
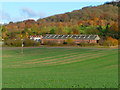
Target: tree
[
  {"x": 3, "y": 29},
  {"x": 3, "y": 32},
  {"x": 52, "y": 31},
  {"x": 75, "y": 31},
  {"x": 110, "y": 42},
  {"x": 70, "y": 41},
  {"x": 60, "y": 29},
  {"x": 113, "y": 31},
  {"x": 92, "y": 30}
]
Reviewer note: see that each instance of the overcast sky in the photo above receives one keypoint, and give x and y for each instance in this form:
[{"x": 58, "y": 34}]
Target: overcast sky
[{"x": 18, "y": 11}]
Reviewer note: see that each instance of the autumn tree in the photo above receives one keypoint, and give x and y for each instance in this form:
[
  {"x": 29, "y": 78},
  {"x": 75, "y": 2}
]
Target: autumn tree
[
  {"x": 70, "y": 41},
  {"x": 113, "y": 31},
  {"x": 110, "y": 42},
  {"x": 60, "y": 29},
  {"x": 3, "y": 31},
  {"x": 52, "y": 31},
  {"x": 92, "y": 30}
]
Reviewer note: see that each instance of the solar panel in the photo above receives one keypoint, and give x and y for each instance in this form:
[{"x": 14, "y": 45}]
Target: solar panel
[
  {"x": 54, "y": 36},
  {"x": 67, "y": 35},
  {"x": 45, "y": 36},
  {"x": 49, "y": 36},
  {"x": 71, "y": 36},
  {"x": 85, "y": 36},
  {"x": 74, "y": 36},
  {"x": 58, "y": 36},
  {"x": 62, "y": 36},
  {"x": 89, "y": 36}
]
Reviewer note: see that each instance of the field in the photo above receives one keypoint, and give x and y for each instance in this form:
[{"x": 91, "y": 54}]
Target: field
[{"x": 60, "y": 68}]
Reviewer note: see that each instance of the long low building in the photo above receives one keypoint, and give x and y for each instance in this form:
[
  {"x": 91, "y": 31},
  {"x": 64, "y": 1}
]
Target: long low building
[{"x": 77, "y": 38}]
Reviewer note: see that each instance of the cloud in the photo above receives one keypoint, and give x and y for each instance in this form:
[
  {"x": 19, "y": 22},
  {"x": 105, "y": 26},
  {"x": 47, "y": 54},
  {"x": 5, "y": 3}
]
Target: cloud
[
  {"x": 28, "y": 12},
  {"x": 4, "y": 16},
  {"x": 1, "y": 22},
  {"x": 25, "y": 13}
]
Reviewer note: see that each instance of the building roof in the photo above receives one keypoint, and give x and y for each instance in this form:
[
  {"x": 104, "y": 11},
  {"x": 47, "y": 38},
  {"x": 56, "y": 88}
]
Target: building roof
[
  {"x": 35, "y": 35},
  {"x": 74, "y": 36}
]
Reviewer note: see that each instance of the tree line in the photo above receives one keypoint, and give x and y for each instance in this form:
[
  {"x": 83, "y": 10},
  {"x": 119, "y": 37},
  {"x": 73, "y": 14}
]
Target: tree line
[{"x": 101, "y": 20}]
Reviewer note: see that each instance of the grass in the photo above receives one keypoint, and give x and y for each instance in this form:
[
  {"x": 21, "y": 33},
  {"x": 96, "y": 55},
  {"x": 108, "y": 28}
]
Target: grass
[{"x": 60, "y": 68}]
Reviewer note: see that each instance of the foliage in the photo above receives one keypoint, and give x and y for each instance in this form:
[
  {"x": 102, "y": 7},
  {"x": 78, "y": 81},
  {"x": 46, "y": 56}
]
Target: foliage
[
  {"x": 52, "y": 43},
  {"x": 107, "y": 12},
  {"x": 101, "y": 20},
  {"x": 92, "y": 30},
  {"x": 28, "y": 42},
  {"x": 52, "y": 31},
  {"x": 70, "y": 41},
  {"x": 13, "y": 42},
  {"x": 87, "y": 44},
  {"x": 18, "y": 42},
  {"x": 110, "y": 42}
]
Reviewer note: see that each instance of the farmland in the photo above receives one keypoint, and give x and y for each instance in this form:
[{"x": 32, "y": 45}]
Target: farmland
[{"x": 60, "y": 68}]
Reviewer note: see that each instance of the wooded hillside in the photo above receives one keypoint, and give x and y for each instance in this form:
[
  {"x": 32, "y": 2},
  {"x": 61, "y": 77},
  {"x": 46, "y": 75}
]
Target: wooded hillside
[{"x": 101, "y": 20}]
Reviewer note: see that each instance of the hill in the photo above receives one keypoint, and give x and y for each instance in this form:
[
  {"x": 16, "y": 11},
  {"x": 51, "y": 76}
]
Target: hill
[
  {"x": 107, "y": 12},
  {"x": 101, "y": 20}
]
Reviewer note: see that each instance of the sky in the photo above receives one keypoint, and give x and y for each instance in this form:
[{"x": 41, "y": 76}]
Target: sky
[{"x": 19, "y": 11}]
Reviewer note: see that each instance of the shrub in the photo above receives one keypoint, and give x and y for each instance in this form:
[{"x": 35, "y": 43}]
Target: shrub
[
  {"x": 45, "y": 42},
  {"x": 86, "y": 44},
  {"x": 61, "y": 44},
  {"x": 119, "y": 42},
  {"x": 70, "y": 41},
  {"x": 28, "y": 42},
  {"x": 64, "y": 42},
  {"x": 110, "y": 42},
  {"x": 82, "y": 44},
  {"x": 92, "y": 44},
  {"x": 52, "y": 43},
  {"x": 18, "y": 42},
  {"x": 107, "y": 43},
  {"x": 13, "y": 42}
]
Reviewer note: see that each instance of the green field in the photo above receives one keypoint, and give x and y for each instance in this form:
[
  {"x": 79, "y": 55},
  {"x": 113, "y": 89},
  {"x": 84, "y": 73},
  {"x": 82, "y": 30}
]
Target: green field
[{"x": 60, "y": 68}]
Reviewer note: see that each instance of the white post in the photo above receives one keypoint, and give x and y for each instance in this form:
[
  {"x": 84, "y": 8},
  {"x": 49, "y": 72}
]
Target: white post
[{"x": 22, "y": 47}]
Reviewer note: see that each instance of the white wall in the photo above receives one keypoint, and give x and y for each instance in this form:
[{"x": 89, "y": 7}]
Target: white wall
[{"x": 35, "y": 38}]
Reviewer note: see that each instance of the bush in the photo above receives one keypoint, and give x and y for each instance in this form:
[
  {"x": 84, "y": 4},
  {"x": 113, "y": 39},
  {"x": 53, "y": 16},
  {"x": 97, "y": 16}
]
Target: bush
[
  {"x": 87, "y": 44},
  {"x": 70, "y": 41},
  {"x": 119, "y": 42},
  {"x": 110, "y": 42},
  {"x": 64, "y": 42},
  {"x": 52, "y": 43},
  {"x": 61, "y": 44},
  {"x": 82, "y": 44},
  {"x": 18, "y": 42},
  {"x": 92, "y": 44},
  {"x": 13, "y": 42},
  {"x": 45, "y": 42},
  {"x": 28, "y": 42}
]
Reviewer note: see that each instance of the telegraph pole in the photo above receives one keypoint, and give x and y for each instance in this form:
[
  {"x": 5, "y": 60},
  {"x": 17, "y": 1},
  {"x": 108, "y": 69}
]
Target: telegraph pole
[{"x": 22, "y": 46}]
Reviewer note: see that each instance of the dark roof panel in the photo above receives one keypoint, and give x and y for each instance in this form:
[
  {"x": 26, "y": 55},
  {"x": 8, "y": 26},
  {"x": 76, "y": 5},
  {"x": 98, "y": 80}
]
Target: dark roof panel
[{"x": 74, "y": 36}]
